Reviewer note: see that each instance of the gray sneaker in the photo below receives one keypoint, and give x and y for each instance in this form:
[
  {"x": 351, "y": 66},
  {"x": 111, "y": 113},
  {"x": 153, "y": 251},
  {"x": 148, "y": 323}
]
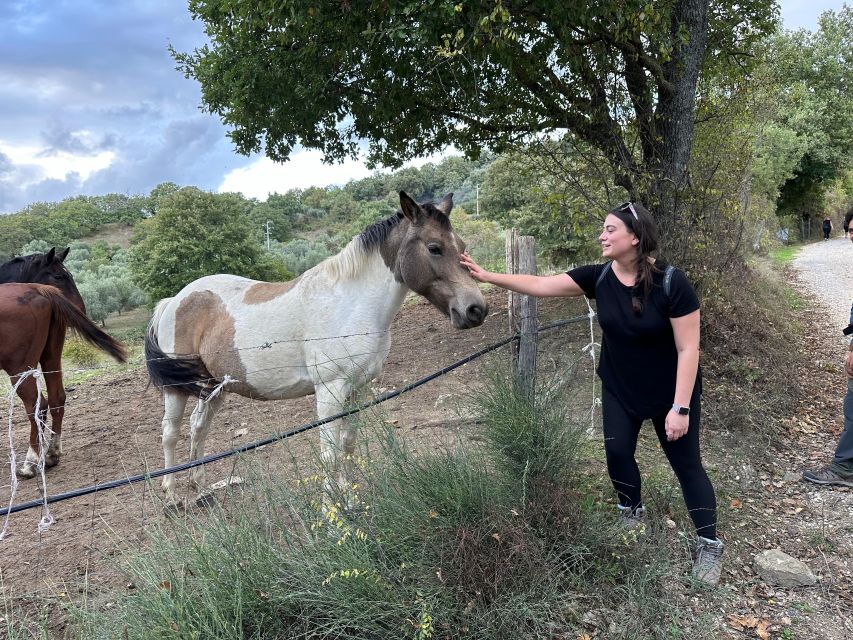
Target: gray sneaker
[
  {"x": 828, "y": 476},
  {"x": 633, "y": 520},
  {"x": 708, "y": 564}
]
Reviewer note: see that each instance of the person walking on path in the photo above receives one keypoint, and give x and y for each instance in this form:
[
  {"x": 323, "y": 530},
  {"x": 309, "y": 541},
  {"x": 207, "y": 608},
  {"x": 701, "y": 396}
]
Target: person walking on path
[
  {"x": 649, "y": 366},
  {"x": 827, "y": 228},
  {"x": 840, "y": 471}
]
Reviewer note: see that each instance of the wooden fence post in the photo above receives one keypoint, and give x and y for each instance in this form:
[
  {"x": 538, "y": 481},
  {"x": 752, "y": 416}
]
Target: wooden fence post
[
  {"x": 513, "y": 298},
  {"x": 529, "y": 321},
  {"x": 523, "y": 311}
]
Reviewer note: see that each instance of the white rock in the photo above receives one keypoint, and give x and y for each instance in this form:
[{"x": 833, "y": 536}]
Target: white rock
[
  {"x": 778, "y": 568},
  {"x": 221, "y": 484}
]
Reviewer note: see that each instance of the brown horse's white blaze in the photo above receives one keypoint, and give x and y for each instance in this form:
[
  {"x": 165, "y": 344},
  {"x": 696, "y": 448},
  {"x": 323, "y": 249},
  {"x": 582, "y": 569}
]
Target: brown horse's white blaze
[{"x": 326, "y": 333}]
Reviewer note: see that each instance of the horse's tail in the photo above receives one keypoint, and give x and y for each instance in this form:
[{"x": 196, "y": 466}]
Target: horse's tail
[
  {"x": 68, "y": 315},
  {"x": 182, "y": 374}
]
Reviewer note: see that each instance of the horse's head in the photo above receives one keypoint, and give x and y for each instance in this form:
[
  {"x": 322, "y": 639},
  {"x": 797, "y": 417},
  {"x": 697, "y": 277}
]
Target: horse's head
[
  {"x": 428, "y": 263},
  {"x": 48, "y": 268}
]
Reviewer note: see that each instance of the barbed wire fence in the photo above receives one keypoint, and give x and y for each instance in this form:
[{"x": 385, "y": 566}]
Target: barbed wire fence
[
  {"x": 46, "y": 499},
  {"x": 105, "y": 514},
  {"x": 108, "y": 516}
]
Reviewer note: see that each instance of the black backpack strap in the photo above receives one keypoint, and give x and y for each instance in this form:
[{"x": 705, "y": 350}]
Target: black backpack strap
[
  {"x": 667, "y": 281},
  {"x": 603, "y": 273},
  {"x": 667, "y": 285}
]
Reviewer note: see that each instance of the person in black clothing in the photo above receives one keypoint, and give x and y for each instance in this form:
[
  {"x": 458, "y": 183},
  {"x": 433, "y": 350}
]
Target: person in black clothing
[
  {"x": 840, "y": 471},
  {"x": 827, "y": 228},
  {"x": 649, "y": 366}
]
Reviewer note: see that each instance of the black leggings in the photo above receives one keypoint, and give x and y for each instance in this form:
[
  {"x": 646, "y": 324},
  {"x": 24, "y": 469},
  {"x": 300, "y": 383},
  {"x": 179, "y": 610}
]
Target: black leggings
[{"x": 621, "y": 430}]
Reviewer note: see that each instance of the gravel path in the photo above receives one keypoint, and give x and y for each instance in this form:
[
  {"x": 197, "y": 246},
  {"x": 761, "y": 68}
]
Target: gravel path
[{"x": 826, "y": 268}]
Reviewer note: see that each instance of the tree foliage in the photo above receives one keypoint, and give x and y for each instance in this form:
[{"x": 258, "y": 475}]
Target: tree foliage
[
  {"x": 195, "y": 234},
  {"x": 412, "y": 77},
  {"x": 58, "y": 223},
  {"x": 102, "y": 277},
  {"x": 815, "y": 109}
]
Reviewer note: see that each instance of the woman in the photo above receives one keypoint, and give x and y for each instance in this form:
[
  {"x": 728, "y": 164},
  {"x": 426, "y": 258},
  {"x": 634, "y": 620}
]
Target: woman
[{"x": 649, "y": 365}]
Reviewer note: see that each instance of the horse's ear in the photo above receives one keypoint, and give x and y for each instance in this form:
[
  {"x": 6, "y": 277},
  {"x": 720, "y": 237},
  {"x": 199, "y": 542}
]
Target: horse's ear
[
  {"x": 410, "y": 208},
  {"x": 64, "y": 254},
  {"x": 49, "y": 255},
  {"x": 446, "y": 204}
]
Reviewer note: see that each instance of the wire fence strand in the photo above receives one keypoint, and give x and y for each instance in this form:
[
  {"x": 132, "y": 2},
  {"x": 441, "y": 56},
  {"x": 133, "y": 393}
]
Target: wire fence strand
[{"x": 277, "y": 437}]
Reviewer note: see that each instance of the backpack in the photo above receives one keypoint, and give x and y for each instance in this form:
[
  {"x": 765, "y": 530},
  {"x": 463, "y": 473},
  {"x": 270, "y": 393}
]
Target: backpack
[{"x": 667, "y": 279}]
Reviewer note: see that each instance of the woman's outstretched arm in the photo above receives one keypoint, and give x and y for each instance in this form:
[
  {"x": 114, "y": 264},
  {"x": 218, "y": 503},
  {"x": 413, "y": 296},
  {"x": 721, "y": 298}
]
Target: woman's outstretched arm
[{"x": 561, "y": 284}]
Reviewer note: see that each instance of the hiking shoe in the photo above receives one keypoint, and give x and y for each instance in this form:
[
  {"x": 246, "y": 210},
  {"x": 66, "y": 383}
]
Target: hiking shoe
[
  {"x": 708, "y": 564},
  {"x": 828, "y": 476},
  {"x": 633, "y": 520}
]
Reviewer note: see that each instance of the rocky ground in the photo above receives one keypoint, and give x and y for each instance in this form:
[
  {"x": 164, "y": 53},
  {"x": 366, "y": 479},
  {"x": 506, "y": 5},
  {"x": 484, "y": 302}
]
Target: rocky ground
[{"x": 768, "y": 506}]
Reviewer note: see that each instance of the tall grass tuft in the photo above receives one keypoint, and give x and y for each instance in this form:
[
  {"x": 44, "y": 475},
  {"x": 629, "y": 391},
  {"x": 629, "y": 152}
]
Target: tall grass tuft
[{"x": 492, "y": 537}]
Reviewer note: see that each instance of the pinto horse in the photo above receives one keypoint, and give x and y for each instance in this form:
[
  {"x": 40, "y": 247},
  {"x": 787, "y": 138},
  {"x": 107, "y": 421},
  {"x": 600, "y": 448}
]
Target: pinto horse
[
  {"x": 326, "y": 333},
  {"x": 33, "y": 321}
]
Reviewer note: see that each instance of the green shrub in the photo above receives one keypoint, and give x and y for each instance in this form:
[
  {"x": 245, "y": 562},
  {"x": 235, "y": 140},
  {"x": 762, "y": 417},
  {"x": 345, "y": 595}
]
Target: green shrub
[
  {"x": 81, "y": 353},
  {"x": 499, "y": 540}
]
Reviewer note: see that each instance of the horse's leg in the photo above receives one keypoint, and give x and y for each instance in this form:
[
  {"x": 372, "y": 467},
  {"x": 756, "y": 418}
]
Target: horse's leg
[
  {"x": 199, "y": 427},
  {"x": 51, "y": 363},
  {"x": 330, "y": 400},
  {"x": 349, "y": 436},
  {"x": 28, "y": 392},
  {"x": 174, "y": 403}
]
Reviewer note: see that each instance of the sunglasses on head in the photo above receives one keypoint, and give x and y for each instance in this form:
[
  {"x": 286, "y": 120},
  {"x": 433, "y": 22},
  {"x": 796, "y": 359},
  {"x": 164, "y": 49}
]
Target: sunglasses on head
[{"x": 629, "y": 206}]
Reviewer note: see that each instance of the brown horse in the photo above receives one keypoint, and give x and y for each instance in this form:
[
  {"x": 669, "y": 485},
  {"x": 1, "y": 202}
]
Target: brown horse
[{"x": 33, "y": 322}]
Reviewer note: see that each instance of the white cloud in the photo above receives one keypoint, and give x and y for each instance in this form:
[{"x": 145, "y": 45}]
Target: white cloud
[
  {"x": 53, "y": 165},
  {"x": 305, "y": 169}
]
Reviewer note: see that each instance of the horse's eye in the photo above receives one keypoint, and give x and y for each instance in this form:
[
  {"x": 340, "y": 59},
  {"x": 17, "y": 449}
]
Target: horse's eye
[{"x": 435, "y": 249}]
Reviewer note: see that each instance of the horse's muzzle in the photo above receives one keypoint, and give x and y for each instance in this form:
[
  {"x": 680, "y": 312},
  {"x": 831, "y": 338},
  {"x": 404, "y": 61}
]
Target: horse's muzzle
[{"x": 473, "y": 316}]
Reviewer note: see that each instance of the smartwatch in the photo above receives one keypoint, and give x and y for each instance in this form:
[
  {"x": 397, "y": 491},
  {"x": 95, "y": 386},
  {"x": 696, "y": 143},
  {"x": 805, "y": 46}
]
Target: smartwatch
[{"x": 682, "y": 411}]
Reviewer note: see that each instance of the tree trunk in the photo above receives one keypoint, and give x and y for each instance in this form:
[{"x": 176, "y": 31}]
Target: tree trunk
[{"x": 675, "y": 113}]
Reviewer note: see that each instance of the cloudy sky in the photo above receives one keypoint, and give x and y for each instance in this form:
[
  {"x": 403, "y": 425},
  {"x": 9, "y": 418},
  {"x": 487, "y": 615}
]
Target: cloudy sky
[{"x": 90, "y": 103}]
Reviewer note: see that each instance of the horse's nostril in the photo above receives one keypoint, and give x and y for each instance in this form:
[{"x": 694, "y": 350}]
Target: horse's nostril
[{"x": 476, "y": 313}]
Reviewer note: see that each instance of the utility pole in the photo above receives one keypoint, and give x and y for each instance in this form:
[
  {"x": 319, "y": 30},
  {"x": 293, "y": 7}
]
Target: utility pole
[
  {"x": 267, "y": 228},
  {"x": 478, "y": 201}
]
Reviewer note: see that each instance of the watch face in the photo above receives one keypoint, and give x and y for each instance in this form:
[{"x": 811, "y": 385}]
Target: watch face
[{"x": 683, "y": 411}]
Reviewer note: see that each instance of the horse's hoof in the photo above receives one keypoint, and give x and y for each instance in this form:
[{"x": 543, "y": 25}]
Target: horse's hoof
[
  {"x": 51, "y": 461},
  {"x": 26, "y": 472},
  {"x": 173, "y": 507},
  {"x": 206, "y": 500}
]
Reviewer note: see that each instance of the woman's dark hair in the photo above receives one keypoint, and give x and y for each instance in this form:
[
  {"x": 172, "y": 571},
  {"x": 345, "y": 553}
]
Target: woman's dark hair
[
  {"x": 640, "y": 222},
  {"x": 848, "y": 219}
]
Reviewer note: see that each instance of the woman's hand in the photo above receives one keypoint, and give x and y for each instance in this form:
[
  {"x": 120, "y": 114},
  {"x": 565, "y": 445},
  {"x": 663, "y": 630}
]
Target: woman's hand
[
  {"x": 676, "y": 425},
  {"x": 849, "y": 365},
  {"x": 477, "y": 272}
]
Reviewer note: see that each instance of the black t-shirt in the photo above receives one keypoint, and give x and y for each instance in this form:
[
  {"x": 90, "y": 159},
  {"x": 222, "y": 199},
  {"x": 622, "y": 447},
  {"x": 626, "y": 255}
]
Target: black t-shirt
[{"x": 639, "y": 360}]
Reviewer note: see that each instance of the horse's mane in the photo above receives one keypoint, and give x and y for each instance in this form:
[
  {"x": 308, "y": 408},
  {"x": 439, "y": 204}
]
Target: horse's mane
[
  {"x": 21, "y": 268},
  {"x": 14, "y": 269},
  {"x": 348, "y": 262}
]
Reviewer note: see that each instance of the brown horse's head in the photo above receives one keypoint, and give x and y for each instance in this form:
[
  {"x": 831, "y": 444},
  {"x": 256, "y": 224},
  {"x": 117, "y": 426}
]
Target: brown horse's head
[
  {"x": 427, "y": 261},
  {"x": 44, "y": 268}
]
